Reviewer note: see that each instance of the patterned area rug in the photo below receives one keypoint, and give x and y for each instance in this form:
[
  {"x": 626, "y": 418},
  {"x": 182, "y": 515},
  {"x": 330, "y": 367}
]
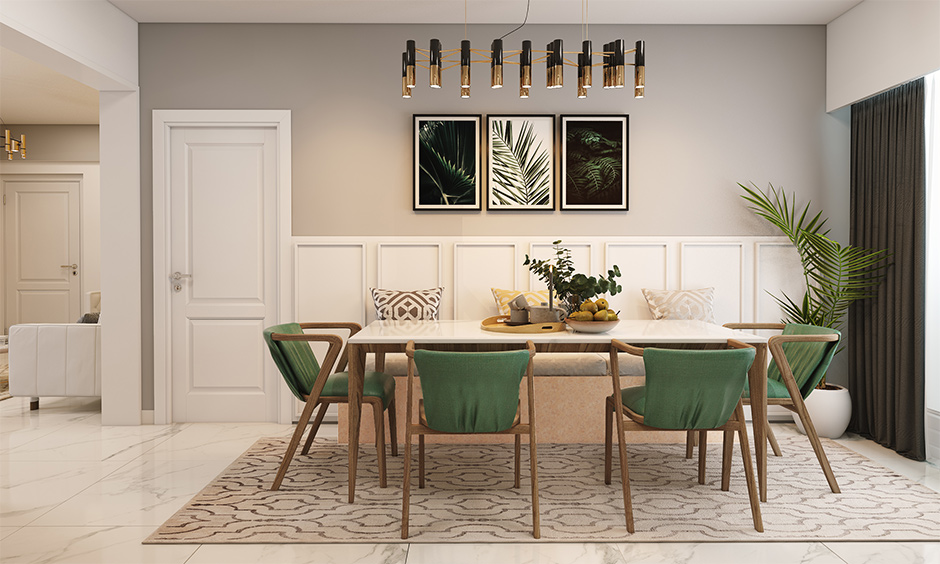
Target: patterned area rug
[{"x": 469, "y": 498}]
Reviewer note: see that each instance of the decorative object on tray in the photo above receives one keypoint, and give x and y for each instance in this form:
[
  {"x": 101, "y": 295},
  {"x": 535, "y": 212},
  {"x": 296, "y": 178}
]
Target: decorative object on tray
[
  {"x": 500, "y": 324},
  {"x": 566, "y": 286},
  {"x": 594, "y": 162},
  {"x": 520, "y": 162},
  {"x": 447, "y": 162}
]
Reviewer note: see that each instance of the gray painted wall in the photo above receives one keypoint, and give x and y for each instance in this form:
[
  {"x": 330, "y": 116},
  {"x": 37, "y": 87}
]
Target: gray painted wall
[
  {"x": 725, "y": 104},
  {"x": 58, "y": 143}
]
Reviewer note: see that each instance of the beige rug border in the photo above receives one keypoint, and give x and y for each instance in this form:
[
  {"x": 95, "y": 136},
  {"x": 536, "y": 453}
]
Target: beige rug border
[{"x": 764, "y": 537}]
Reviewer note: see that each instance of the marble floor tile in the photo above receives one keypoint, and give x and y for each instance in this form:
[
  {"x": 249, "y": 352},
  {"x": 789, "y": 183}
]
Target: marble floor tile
[
  {"x": 887, "y": 552},
  {"x": 87, "y": 545},
  {"x": 725, "y": 553},
  {"x": 515, "y": 553},
  {"x": 7, "y": 531},
  {"x": 300, "y": 554},
  {"x": 28, "y": 489},
  {"x": 88, "y": 442},
  {"x": 215, "y": 441},
  {"x": 143, "y": 492}
]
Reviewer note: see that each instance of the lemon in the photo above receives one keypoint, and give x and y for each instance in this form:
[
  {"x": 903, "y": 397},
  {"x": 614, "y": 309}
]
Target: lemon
[
  {"x": 601, "y": 304},
  {"x": 588, "y": 305}
]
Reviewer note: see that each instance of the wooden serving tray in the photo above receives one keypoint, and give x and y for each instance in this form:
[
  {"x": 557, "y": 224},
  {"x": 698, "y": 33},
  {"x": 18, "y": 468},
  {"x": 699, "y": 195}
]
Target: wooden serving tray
[{"x": 498, "y": 323}]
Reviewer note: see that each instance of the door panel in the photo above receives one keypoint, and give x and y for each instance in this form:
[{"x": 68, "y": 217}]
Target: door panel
[
  {"x": 223, "y": 221},
  {"x": 42, "y": 242}
]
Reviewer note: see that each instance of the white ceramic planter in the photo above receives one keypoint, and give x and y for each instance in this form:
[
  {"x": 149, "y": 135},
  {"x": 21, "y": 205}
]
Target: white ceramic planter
[{"x": 830, "y": 409}]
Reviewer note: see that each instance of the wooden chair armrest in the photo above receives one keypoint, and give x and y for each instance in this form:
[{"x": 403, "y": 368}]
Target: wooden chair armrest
[
  {"x": 623, "y": 347},
  {"x": 351, "y": 326},
  {"x": 410, "y": 349},
  {"x": 755, "y": 326},
  {"x": 335, "y": 342},
  {"x": 530, "y": 346},
  {"x": 736, "y": 344},
  {"x": 802, "y": 339}
]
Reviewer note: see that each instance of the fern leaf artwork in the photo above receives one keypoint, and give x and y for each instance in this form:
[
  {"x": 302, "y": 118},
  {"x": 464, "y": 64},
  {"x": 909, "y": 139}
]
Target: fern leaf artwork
[
  {"x": 521, "y": 162},
  {"x": 595, "y": 162},
  {"x": 447, "y": 162}
]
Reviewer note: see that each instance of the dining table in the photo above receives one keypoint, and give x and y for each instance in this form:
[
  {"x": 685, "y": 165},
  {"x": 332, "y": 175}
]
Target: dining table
[{"x": 390, "y": 336}]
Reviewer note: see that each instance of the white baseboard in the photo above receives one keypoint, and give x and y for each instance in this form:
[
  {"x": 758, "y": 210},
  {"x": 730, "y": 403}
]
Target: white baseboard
[
  {"x": 933, "y": 436},
  {"x": 775, "y": 414},
  {"x": 146, "y": 417}
]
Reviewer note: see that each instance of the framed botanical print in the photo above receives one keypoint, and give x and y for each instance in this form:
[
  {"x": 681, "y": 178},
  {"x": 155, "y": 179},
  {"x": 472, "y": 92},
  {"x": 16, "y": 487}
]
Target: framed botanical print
[
  {"x": 594, "y": 162},
  {"x": 447, "y": 162},
  {"x": 520, "y": 162}
]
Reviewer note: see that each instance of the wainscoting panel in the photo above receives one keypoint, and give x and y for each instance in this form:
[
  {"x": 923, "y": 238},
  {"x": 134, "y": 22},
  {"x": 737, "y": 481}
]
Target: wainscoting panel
[
  {"x": 581, "y": 254},
  {"x": 409, "y": 266},
  {"x": 500, "y": 263},
  {"x": 718, "y": 264},
  {"x": 330, "y": 281},
  {"x": 779, "y": 263},
  {"x": 642, "y": 265}
]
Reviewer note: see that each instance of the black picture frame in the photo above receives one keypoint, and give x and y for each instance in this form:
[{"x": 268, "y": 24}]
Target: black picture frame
[
  {"x": 520, "y": 162},
  {"x": 447, "y": 168},
  {"x": 595, "y": 167}
]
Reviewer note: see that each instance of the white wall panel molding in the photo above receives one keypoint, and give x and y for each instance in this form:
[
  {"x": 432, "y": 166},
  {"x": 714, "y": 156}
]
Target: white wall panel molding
[
  {"x": 777, "y": 271},
  {"x": 740, "y": 268}
]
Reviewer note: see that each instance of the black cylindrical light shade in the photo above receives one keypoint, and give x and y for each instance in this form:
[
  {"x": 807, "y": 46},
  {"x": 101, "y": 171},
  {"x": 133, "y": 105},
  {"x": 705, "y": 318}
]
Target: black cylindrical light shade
[
  {"x": 549, "y": 65},
  {"x": 496, "y": 63},
  {"x": 525, "y": 65},
  {"x": 619, "y": 60},
  {"x": 582, "y": 92},
  {"x": 606, "y": 67},
  {"x": 639, "y": 70},
  {"x": 435, "y": 63},
  {"x": 410, "y": 62},
  {"x": 465, "y": 64},
  {"x": 405, "y": 89},
  {"x": 558, "y": 51},
  {"x": 586, "y": 63}
]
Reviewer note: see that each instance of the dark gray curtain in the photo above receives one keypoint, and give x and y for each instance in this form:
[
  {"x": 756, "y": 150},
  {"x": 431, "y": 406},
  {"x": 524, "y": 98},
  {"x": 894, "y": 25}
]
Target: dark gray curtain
[{"x": 886, "y": 333}]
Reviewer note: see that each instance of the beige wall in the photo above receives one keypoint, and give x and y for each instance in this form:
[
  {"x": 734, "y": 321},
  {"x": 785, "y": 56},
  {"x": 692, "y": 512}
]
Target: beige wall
[
  {"x": 725, "y": 104},
  {"x": 58, "y": 143}
]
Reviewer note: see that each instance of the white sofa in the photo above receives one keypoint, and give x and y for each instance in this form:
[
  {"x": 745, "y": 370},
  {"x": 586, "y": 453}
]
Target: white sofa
[{"x": 55, "y": 359}]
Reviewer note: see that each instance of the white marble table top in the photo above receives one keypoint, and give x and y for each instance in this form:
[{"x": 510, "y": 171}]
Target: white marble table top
[{"x": 628, "y": 330}]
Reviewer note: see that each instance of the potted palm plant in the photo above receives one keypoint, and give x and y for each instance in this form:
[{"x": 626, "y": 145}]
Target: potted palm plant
[{"x": 836, "y": 275}]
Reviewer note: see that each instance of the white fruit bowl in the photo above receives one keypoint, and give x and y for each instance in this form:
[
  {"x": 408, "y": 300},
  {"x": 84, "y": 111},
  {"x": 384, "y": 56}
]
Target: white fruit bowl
[{"x": 592, "y": 326}]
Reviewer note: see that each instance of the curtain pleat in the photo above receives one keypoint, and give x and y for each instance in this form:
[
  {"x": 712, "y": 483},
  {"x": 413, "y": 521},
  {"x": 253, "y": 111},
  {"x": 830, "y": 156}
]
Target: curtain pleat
[{"x": 888, "y": 211}]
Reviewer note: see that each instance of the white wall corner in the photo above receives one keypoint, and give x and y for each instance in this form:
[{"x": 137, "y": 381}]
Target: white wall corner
[{"x": 933, "y": 436}]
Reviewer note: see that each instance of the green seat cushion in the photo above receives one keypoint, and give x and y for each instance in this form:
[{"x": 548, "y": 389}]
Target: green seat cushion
[
  {"x": 375, "y": 385},
  {"x": 634, "y": 398},
  {"x": 775, "y": 389}
]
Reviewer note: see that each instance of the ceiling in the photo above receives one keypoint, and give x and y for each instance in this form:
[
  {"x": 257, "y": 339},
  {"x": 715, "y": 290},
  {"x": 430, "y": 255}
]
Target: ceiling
[{"x": 33, "y": 94}]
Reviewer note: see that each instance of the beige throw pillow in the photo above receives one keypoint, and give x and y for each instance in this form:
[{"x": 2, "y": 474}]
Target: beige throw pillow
[
  {"x": 503, "y": 297},
  {"x": 681, "y": 304}
]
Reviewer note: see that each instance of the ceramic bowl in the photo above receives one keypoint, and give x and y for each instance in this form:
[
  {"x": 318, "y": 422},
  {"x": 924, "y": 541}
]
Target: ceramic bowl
[{"x": 592, "y": 326}]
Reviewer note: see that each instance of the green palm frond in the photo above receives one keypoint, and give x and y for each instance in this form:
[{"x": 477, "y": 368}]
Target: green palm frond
[
  {"x": 448, "y": 166},
  {"x": 522, "y": 171}
]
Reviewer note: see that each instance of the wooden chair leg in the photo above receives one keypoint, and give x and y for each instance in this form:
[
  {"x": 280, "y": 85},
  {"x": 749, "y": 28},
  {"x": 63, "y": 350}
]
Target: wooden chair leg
[
  {"x": 689, "y": 443},
  {"x": 749, "y": 471},
  {"x": 773, "y": 440},
  {"x": 393, "y": 426},
  {"x": 533, "y": 469},
  {"x": 624, "y": 474},
  {"x": 702, "y": 452},
  {"x": 420, "y": 461},
  {"x": 608, "y": 438},
  {"x": 314, "y": 428},
  {"x": 518, "y": 452},
  {"x": 726, "y": 448},
  {"x": 810, "y": 429},
  {"x": 406, "y": 484},
  {"x": 378, "y": 416},
  {"x": 294, "y": 443}
]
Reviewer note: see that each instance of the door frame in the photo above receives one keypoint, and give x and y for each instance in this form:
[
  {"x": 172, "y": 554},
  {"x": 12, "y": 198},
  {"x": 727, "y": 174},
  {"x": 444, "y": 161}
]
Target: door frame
[{"x": 163, "y": 122}]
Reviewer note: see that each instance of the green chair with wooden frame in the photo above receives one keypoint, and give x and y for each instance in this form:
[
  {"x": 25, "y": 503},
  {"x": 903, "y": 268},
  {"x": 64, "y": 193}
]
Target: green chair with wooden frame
[
  {"x": 800, "y": 357},
  {"x": 469, "y": 393},
  {"x": 315, "y": 385},
  {"x": 684, "y": 390}
]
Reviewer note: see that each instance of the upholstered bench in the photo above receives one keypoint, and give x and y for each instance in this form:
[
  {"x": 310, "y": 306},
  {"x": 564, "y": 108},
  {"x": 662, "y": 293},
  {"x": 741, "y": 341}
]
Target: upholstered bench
[
  {"x": 55, "y": 359},
  {"x": 570, "y": 389}
]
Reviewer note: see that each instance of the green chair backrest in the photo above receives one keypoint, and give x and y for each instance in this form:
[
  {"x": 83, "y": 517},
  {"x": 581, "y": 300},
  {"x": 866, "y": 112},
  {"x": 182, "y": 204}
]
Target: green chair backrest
[
  {"x": 808, "y": 361},
  {"x": 470, "y": 392},
  {"x": 694, "y": 389},
  {"x": 295, "y": 359}
]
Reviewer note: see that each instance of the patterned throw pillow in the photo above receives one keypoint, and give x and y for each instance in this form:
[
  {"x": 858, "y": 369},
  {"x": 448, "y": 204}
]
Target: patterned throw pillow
[
  {"x": 681, "y": 304},
  {"x": 503, "y": 297},
  {"x": 416, "y": 305}
]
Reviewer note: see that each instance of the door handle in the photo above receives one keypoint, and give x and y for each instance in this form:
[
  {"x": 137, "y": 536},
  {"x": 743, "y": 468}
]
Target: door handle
[
  {"x": 72, "y": 266},
  {"x": 179, "y": 276}
]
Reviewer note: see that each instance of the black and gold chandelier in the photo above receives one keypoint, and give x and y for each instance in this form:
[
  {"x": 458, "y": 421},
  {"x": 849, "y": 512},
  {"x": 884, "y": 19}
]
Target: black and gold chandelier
[
  {"x": 11, "y": 145},
  {"x": 613, "y": 62}
]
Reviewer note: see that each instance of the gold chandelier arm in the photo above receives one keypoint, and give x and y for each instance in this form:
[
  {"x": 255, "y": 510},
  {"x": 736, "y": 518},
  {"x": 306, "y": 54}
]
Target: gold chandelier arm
[{"x": 456, "y": 64}]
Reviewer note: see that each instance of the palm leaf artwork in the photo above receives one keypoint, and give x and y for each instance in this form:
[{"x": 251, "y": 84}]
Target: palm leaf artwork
[
  {"x": 836, "y": 275},
  {"x": 447, "y": 163},
  {"x": 521, "y": 168},
  {"x": 594, "y": 166}
]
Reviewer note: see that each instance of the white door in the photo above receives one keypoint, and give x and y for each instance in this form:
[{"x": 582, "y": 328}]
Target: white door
[
  {"x": 223, "y": 245},
  {"x": 42, "y": 256}
]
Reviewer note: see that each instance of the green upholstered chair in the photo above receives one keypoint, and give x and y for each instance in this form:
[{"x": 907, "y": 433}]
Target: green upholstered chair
[
  {"x": 800, "y": 357},
  {"x": 469, "y": 393},
  {"x": 684, "y": 390},
  {"x": 313, "y": 384}
]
